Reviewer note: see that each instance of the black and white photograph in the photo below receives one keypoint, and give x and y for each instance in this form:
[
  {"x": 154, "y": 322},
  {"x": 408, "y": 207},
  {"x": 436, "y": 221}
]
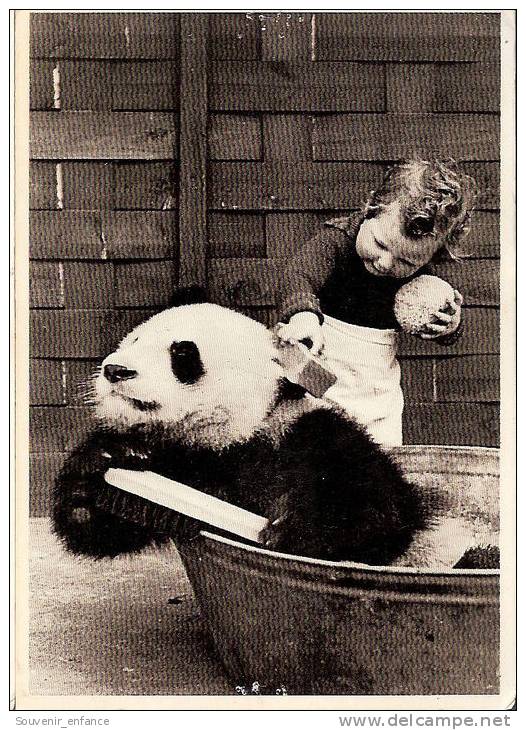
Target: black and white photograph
[{"x": 270, "y": 302}]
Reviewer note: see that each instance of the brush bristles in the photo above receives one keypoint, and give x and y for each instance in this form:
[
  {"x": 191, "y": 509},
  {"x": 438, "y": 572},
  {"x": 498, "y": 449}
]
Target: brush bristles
[{"x": 139, "y": 511}]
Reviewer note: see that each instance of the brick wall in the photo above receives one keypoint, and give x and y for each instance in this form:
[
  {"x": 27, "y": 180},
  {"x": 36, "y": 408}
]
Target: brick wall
[{"x": 280, "y": 121}]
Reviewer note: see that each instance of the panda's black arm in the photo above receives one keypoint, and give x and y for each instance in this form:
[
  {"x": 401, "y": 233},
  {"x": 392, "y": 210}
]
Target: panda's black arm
[
  {"x": 84, "y": 526},
  {"x": 346, "y": 500}
]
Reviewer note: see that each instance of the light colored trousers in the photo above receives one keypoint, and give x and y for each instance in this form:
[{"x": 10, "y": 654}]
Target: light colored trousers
[{"x": 368, "y": 386}]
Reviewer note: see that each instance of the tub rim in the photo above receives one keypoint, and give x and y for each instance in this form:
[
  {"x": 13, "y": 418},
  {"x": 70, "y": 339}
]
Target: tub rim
[
  {"x": 375, "y": 569},
  {"x": 351, "y": 565}
]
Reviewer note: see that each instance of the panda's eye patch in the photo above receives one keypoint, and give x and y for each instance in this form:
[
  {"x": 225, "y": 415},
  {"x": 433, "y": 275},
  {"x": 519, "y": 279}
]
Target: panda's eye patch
[{"x": 186, "y": 361}]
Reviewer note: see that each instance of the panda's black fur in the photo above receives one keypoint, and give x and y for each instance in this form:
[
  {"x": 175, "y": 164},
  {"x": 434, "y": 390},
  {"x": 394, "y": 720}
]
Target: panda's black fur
[
  {"x": 329, "y": 491},
  {"x": 339, "y": 495}
]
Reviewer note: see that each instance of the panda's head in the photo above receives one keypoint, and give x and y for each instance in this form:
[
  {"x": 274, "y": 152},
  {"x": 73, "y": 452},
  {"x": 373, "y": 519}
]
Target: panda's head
[{"x": 206, "y": 372}]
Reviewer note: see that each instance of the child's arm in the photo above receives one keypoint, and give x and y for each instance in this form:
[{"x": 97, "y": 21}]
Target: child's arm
[
  {"x": 307, "y": 271},
  {"x": 300, "y": 313}
]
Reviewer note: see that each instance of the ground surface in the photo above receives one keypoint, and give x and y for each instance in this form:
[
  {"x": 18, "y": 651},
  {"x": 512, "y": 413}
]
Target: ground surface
[{"x": 108, "y": 628}]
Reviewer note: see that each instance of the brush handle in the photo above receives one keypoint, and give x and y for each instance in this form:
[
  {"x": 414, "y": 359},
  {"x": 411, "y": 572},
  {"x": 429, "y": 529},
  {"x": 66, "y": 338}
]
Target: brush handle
[{"x": 188, "y": 501}]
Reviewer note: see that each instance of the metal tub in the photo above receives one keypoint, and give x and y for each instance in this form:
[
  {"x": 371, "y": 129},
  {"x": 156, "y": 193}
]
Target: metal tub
[{"x": 319, "y": 627}]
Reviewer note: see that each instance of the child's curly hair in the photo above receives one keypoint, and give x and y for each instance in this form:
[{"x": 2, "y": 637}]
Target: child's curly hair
[{"x": 437, "y": 199}]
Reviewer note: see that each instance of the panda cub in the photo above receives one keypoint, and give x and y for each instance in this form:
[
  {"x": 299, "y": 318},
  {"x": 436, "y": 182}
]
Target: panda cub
[{"x": 199, "y": 394}]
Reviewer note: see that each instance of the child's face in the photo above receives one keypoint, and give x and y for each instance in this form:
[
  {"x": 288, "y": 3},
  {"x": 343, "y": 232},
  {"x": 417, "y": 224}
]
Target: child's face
[{"x": 387, "y": 251}]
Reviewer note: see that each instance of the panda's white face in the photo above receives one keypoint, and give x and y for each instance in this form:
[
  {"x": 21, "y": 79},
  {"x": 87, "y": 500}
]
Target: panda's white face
[{"x": 207, "y": 372}]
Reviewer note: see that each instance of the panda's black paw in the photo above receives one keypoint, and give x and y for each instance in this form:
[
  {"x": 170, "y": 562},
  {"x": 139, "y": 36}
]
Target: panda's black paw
[
  {"x": 85, "y": 526},
  {"x": 289, "y": 528},
  {"x": 74, "y": 505},
  {"x": 279, "y": 516},
  {"x": 481, "y": 557},
  {"x": 274, "y": 535},
  {"x": 80, "y": 511}
]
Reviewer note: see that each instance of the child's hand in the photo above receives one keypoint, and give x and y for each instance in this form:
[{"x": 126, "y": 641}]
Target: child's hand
[
  {"x": 445, "y": 320},
  {"x": 303, "y": 327}
]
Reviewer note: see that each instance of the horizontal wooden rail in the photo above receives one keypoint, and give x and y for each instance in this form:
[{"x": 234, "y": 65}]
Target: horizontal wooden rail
[
  {"x": 396, "y": 136},
  {"x": 407, "y": 36}
]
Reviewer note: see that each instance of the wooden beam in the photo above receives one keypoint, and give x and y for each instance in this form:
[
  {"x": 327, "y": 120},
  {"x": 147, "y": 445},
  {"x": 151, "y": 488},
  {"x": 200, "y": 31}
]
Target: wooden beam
[
  {"x": 395, "y": 136},
  {"x": 407, "y": 36},
  {"x": 87, "y": 135},
  {"x": 295, "y": 86},
  {"x": 193, "y": 149}
]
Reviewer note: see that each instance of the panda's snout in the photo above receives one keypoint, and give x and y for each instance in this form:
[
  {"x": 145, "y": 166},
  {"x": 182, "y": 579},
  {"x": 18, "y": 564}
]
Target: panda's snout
[{"x": 115, "y": 373}]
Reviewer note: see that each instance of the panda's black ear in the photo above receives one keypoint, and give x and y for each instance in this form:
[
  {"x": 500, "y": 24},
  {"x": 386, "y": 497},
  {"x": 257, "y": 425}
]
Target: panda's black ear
[{"x": 188, "y": 295}]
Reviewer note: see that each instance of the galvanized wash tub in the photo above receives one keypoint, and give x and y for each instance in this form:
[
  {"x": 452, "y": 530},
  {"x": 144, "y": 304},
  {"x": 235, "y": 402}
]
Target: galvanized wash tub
[{"x": 319, "y": 627}]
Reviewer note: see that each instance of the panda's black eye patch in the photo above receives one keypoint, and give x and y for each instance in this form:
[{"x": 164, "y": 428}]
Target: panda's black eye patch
[{"x": 186, "y": 362}]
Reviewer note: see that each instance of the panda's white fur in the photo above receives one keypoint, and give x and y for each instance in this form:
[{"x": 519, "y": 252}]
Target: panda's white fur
[{"x": 243, "y": 364}]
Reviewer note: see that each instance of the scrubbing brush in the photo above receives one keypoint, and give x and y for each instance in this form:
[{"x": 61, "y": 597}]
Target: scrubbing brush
[
  {"x": 158, "y": 504},
  {"x": 137, "y": 509},
  {"x": 306, "y": 370}
]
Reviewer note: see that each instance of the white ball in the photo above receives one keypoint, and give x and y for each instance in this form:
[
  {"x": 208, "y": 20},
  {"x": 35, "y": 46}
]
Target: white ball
[{"x": 416, "y": 302}]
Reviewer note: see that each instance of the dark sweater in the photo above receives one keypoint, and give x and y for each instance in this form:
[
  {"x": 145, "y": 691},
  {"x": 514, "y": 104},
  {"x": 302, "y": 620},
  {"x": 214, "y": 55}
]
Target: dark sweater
[{"x": 328, "y": 277}]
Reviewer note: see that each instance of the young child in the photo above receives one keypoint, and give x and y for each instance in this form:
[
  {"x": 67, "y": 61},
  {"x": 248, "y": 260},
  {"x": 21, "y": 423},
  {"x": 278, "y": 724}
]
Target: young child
[{"x": 337, "y": 293}]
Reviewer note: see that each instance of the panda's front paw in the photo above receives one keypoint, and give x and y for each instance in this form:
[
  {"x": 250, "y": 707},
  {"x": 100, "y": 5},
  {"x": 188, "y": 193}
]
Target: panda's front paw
[
  {"x": 86, "y": 525},
  {"x": 75, "y": 504},
  {"x": 80, "y": 507},
  {"x": 275, "y": 534},
  {"x": 280, "y": 526}
]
